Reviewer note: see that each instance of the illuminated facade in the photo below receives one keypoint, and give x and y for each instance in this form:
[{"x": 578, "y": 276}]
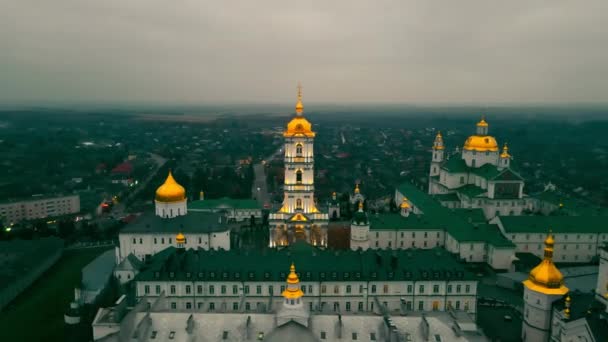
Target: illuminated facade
[{"x": 298, "y": 218}]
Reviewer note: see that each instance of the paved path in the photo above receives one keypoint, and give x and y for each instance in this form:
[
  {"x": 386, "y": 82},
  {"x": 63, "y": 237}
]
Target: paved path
[{"x": 260, "y": 188}]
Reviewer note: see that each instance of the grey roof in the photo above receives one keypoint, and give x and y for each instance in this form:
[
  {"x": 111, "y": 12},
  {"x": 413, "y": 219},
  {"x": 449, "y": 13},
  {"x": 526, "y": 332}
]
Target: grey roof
[
  {"x": 291, "y": 331},
  {"x": 95, "y": 275},
  {"x": 192, "y": 222}
]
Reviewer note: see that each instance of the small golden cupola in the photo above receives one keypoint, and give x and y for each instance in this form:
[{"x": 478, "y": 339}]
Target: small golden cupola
[
  {"x": 546, "y": 278},
  {"x": 481, "y": 141},
  {"x": 299, "y": 126},
  {"x": 293, "y": 290},
  {"x": 505, "y": 151},
  {"x": 180, "y": 238},
  {"x": 170, "y": 191},
  {"x": 404, "y": 203},
  {"x": 357, "y": 190},
  {"x": 438, "y": 144}
]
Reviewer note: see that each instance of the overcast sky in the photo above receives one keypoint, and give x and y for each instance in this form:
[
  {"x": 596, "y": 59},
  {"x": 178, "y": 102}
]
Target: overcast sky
[{"x": 225, "y": 51}]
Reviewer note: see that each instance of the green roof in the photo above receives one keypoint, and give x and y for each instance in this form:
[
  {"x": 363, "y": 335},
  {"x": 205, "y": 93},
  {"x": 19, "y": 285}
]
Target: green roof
[
  {"x": 223, "y": 203},
  {"x": 475, "y": 215},
  {"x": 456, "y": 225},
  {"x": 193, "y": 222},
  {"x": 312, "y": 264},
  {"x": 487, "y": 171},
  {"x": 394, "y": 221},
  {"x": 451, "y": 197},
  {"x": 471, "y": 190},
  {"x": 558, "y": 224},
  {"x": 455, "y": 165}
]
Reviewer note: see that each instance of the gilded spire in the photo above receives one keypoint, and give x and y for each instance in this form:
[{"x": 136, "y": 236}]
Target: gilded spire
[
  {"x": 546, "y": 278},
  {"x": 505, "y": 151},
  {"x": 299, "y": 105},
  {"x": 293, "y": 290}
]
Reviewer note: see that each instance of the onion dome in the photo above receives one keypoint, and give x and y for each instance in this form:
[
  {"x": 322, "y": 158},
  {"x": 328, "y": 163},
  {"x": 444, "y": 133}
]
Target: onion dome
[
  {"x": 299, "y": 126},
  {"x": 293, "y": 290},
  {"x": 357, "y": 188},
  {"x": 505, "y": 152},
  {"x": 545, "y": 277},
  {"x": 170, "y": 191},
  {"x": 180, "y": 238},
  {"x": 404, "y": 204}
]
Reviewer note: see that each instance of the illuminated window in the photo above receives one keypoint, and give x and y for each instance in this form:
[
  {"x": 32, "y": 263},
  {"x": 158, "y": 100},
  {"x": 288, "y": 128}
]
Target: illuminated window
[
  {"x": 299, "y": 176},
  {"x": 299, "y": 149}
]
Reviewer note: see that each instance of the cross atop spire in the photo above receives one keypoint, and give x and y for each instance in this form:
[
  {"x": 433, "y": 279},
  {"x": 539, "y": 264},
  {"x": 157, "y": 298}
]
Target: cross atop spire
[{"x": 299, "y": 105}]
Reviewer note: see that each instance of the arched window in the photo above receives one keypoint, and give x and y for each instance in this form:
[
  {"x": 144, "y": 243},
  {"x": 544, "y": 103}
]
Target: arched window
[
  {"x": 299, "y": 176},
  {"x": 299, "y": 203},
  {"x": 299, "y": 149}
]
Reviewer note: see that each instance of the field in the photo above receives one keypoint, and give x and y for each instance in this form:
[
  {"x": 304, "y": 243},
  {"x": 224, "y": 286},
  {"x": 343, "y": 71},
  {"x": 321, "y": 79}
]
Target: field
[{"x": 37, "y": 314}]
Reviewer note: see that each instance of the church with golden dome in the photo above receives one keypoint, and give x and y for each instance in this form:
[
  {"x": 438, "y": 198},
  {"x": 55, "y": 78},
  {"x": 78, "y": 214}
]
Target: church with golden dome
[
  {"x": 152, "y": 232},
  {"x": 299, "y": 217},
  {"x": 479, "y": 175}
]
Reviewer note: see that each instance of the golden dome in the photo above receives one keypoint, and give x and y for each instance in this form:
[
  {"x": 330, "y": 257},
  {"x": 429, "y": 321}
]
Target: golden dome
[
  {"x": 180, "y": 238},
  {"x": 505, "y": 152},
  {"x": 299, "y": 126},
  {"x": 170, "y": 191},
  {"x": 292, "y": 291},
  {"x": 546, "y": 278},
  {"x": 404, "y": 204},
  {"x": 357, "y": 188},
  {"x": 481, "y": 143}
]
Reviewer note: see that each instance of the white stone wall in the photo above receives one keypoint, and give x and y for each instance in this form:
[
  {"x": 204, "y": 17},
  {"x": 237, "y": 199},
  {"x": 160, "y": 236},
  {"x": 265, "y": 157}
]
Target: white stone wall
[
  {"x": 142, "y": 244},
  {"x": 434, "y": 295},
  {"x": 171, "y": 209},
  {"x": 571, "y": 247},
  {"x": 481, "y": 158},
  {"x": 39, "y": 208},
  {"x": 537, "y": 315},
  {"x": 500, "y": 258},
  {"x": 404, "y": 239}
]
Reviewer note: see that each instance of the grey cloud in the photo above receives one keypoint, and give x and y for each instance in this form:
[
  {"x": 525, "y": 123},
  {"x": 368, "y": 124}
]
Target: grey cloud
[{"x": 196, "y": 52}]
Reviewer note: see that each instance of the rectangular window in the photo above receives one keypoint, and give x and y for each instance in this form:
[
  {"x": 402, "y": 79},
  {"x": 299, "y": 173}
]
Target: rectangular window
[
  {"x": 173, "y": 305},
  {"x": 188, "y": 289},
  {"x": 270, "y": 290},
  {"x": 157, "y": 289},
  {"x": 235, "y": 289},
  {"x": 410, "y": 288},
  {"x": 211, "y": 306},
  {"x": 373, "y": 288},
  {"x": 458, "y": 288},
  {"x": 336, "y": 289},
  {"x": 348, "y": 288},
  {"x": 323, "y": 288},
  {"x": 188, "y": 305},
  {"x": 421, "y": 289},
  {"x": 435, "y": 288},
  {"x": 360, "y": 306},
  {"x": 199, "y": 289},
  {"x": 246, "y": 289},
  {"x": 420, "y": 305},
  {"x": 211, "y": 289},
  {"x": 449, "y": 288},
  {"x": 223, "y": 289},
  {"x": 172, "y": 289},
  {"x": 385, "y": 289},
  {"x": 354, "y": 336},
  {"x": 467, "y": 288},
  {"x": 457, "y": 305},
  {"x": 347, "y": 306},
  {"x": 235, "y": 306},
  {"x": 258, "y": 289},
  {"x": 147, "y": 289}
]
